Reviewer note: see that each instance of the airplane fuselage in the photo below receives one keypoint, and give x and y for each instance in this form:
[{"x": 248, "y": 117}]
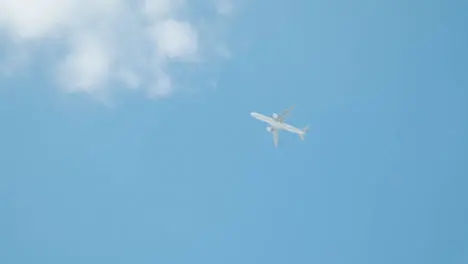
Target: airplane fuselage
[{"x": 276, "y": 124}]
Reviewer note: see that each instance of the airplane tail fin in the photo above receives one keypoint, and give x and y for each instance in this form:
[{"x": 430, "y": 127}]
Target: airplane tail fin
[{"x": 304, "y": 131}]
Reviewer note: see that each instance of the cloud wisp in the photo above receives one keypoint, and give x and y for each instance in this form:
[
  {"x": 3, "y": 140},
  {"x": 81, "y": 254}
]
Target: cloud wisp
[{"x": 101, "y": 44}]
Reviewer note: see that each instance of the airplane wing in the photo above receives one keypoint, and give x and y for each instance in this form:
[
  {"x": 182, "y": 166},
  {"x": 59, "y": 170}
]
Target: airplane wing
[
  {"x": 285, "y": 113},
  {"x": 275, "y": 137}
]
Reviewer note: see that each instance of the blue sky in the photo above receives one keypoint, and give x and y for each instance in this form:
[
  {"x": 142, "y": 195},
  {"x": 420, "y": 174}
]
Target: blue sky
[{"x": 181, "y": 173}]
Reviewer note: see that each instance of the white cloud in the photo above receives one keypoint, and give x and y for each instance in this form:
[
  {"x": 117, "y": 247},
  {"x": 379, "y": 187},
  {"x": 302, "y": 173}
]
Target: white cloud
[
  {"x": 162, "y": 87},
  {"x": 224, "y": 7},
  {"x": 87, "y": 66},
  {"x": 176, "y": 39},
  {"x": 32, "y": 19},
  {"x": 160, "y": 8},
  {"x": 101, "y": 43}
]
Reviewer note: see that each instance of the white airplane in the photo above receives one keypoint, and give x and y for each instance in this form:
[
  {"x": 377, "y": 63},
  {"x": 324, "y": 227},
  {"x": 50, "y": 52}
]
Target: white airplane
[{"x": 276, "y": 123}]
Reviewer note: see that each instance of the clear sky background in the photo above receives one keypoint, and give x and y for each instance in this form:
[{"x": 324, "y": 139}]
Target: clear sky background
[{"x": 181, "y": 173}]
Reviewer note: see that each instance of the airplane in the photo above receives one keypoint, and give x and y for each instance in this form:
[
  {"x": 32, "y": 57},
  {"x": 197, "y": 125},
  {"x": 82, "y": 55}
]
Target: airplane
[{"x": 276, "y": 123}]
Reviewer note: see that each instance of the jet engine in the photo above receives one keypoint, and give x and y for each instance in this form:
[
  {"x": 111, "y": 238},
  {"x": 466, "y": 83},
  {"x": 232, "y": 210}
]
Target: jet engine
[
  {"x": 275, "y": 115},
  {"x": 269, "y": 129}
]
